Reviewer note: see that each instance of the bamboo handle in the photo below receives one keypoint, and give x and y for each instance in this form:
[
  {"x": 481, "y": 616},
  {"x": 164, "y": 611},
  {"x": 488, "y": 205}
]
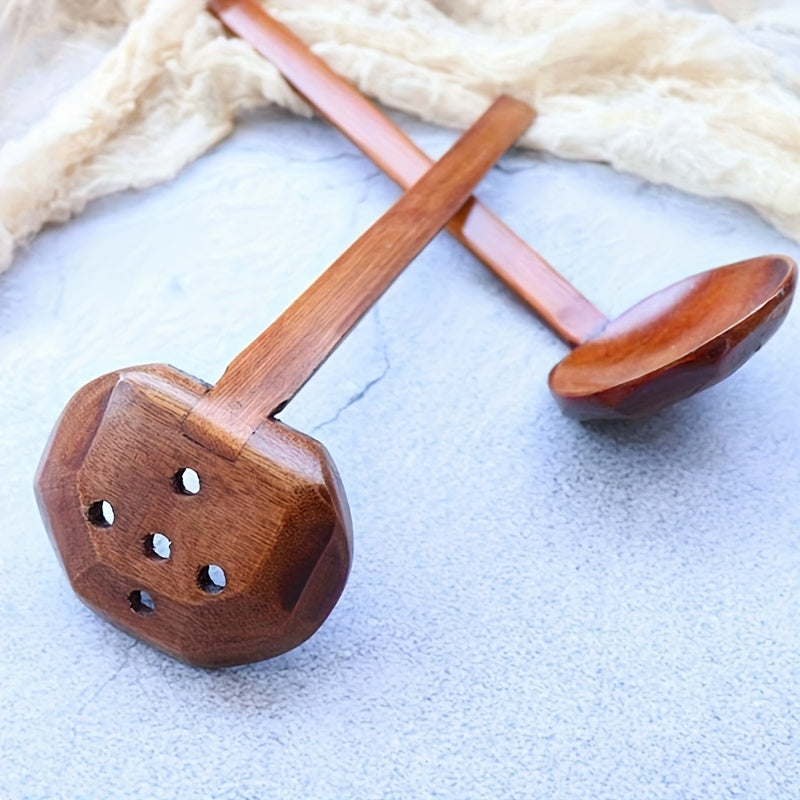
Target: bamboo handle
[
  {"x": 559, "y": 304},
  {"x": 272, "y": 369}
]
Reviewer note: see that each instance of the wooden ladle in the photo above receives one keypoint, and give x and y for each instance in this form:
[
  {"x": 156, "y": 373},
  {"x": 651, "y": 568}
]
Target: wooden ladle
[
  {"x": 191, "y": 518},
  {"x": 675, "y": 343}
]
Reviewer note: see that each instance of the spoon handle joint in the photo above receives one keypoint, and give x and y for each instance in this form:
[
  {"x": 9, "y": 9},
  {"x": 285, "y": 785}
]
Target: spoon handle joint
[{"x": 273, "y": 368}]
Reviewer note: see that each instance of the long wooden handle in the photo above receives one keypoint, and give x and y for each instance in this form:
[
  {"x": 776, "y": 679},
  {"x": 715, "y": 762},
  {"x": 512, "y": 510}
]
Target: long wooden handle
[
  {"x": 269, "y": 371},
  {"x": 559, "y": 304}
]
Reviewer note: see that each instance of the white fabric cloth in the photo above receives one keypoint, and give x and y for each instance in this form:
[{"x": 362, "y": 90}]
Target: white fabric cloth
[{"x": 703, "y": 96}]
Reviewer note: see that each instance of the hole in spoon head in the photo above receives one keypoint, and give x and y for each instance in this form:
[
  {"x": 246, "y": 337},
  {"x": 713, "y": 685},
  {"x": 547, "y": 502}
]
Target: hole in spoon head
[
  {"x": 186, "y": 481},
  {"x": 101, "y": 514},
  {"x": 141, "y": 602},
  {"x": 158, "y": 546},
  {"x": 211, "y": 579}
]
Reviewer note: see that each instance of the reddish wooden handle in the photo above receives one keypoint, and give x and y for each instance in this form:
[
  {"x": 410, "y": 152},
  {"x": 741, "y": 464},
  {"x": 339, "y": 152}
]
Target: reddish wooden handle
[
  {"x": 267, "y": 373},
  {"x": 565, "y": 310}
]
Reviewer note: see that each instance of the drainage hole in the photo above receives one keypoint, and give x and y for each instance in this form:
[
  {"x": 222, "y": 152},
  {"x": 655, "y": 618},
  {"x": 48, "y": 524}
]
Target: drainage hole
[
  {"x": 141, "y": 602},
  {"x": 101, "y": 514},
  {"x": 211, "y": 579},
  {"x": 158, "y": 546},
  {"x": 186, "y": 481}
]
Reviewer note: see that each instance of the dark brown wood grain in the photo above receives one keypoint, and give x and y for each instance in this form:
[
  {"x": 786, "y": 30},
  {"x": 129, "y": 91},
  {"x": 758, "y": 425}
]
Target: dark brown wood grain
[
  {"x": 275, "y": 521},
  {"x": 560, "y": 305},
  {"x": 250, "y": 565}
]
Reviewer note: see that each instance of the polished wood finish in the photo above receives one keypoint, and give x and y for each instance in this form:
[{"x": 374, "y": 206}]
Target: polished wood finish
[
  {"x": 250, "y": 565},
  {"x": 657, "y": 371},
  {"x": 676, "y": 342},
  {"x": 560, "y": 305}
]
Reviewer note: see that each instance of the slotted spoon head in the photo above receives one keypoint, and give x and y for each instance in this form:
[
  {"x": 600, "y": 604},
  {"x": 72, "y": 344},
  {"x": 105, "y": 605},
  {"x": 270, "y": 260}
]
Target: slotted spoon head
[{"x": 243, "y": 569}]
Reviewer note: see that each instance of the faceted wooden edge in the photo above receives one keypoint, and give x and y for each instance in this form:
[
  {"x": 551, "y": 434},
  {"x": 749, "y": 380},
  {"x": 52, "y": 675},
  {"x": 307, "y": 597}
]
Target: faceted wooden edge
[{"x": 238, "y": 626}]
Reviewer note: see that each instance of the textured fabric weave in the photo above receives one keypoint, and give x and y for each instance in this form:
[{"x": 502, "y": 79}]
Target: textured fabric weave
[{"x": 103, "y": 95}]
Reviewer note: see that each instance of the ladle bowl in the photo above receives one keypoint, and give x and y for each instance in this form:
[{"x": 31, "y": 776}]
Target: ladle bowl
[{"x": 676, "y": 342}]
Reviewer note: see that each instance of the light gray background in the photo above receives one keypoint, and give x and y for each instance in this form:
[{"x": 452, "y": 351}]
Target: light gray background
[{"x": 538, "y": 608}]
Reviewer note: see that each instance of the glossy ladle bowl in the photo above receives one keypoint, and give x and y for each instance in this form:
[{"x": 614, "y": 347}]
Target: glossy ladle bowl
[{"x": 677, "y": 342}]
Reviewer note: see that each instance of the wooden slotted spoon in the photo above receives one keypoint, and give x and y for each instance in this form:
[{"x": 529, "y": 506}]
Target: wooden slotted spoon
[{"x": 191, "y": 518}]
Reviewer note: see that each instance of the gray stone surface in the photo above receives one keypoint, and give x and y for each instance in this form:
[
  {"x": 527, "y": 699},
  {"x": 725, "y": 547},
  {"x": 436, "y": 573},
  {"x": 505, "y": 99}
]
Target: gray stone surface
[{"x": 538, "y": 608}]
